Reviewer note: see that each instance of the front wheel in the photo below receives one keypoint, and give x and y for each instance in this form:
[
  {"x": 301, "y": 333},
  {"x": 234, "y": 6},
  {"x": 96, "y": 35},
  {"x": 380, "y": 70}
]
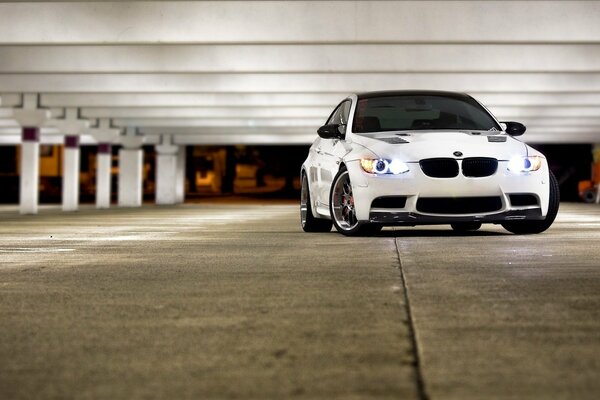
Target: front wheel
[
  {"x": 529, "y": 227},
  {"x": 343, "y": 210}
]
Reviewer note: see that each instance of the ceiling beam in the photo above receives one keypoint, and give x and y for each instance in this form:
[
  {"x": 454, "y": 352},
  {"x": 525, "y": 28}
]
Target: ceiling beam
[
  {"x": 301, "y": 58},
  {"x": 334, "y": 82},
  {"x": 546, "y": 111},
  {"x": 312, "y": 22},
  {"x": 190, "y": 99},
  {"x": 207, "y": 112}
]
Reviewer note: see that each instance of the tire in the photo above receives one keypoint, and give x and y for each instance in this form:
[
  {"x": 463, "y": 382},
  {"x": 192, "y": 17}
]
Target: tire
[
  {"x": 529, "y": 227},
  {"x": 307, "y": 220},
  {"x": 466, "y": 226},
  {"x": 589, "y": 196},
  {"x": 342, "y": 210}
]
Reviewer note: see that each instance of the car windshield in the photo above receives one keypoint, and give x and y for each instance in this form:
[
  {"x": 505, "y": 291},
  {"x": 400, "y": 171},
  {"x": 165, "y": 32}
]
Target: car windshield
[{"x": 414, "y": 112}]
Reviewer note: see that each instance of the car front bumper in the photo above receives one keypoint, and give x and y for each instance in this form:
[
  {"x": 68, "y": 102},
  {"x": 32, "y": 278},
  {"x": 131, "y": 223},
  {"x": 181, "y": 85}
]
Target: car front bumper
[{"x": 415, "y": 185}]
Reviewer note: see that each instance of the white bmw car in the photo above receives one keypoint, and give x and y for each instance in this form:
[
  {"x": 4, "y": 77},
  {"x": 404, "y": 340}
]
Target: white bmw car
[{"x": 423, "y": 157}]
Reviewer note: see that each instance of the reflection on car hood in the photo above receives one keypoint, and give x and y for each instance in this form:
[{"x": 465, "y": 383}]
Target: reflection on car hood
[{"x": 416, "y": 145}]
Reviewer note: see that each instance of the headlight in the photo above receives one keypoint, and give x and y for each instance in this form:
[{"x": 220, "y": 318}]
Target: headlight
[
  {"x": 382, "y": 166},
  {"x": 525, "y": 164}
]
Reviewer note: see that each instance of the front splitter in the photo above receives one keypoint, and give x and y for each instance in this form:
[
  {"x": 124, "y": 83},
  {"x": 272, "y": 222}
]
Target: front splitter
[{"x": 412, "y": 219}]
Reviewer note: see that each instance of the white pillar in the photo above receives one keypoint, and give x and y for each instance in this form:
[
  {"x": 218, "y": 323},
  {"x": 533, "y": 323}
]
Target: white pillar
[
  {"x": 131, "y": 164},
  {"x": 30, "y": 171},
  {"x": 30, "y": 118},
  {"x": 180, "y": 176},
  {"x": 103, "y": 175},
  {"x": 594, "y": 177},
  {"x": 105, "y": 136},
  {"x": 71, "y": 164},
  {"x": 71, "y": 126},
  {"x": 130, "y": 177},
  {"x": 166, "y": 174}
]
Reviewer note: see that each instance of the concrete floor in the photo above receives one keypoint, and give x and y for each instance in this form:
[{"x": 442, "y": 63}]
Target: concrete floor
[{"x": 234, "y": 301}]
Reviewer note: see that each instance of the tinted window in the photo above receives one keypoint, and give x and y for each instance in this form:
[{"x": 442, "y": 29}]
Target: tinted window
[{"x": 420, "y": 113}]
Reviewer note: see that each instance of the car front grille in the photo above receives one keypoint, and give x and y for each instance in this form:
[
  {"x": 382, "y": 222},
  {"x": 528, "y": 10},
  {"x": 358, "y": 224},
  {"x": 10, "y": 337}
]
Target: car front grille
[
  {"x": 439, "y": 167},
  {"x": 478, "y": 167},
  {"x": 459, "y": 205},
  {"x": 473, "y": 167}
]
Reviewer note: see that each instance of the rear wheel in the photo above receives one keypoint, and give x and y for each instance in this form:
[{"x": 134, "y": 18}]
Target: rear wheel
[
  {"x": 343, "y": 210},
  {"x": 589, "y": 196},
  {"x": 528, "y": 227},
  {"x": 465, "y": 226},
  {"x": 307, "y": 220}
]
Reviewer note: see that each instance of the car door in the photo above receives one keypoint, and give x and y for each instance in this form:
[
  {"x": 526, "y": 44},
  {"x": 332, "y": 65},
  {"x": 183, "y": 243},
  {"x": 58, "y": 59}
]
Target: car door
[{"x": 330, "y": 152}]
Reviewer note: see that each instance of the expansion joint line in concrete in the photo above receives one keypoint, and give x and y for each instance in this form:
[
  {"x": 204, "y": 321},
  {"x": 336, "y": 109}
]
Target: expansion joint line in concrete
[{"x": 421, "y": 390}]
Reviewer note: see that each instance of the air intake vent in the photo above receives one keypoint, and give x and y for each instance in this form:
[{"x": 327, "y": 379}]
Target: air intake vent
[
  {"x": 439, "y": 167},
  {"x": 389, "y": 202},
  {"x": 523, "y": 200},
  {"x": 459, "y": 205},
  {"x": 479, "y": 167}
]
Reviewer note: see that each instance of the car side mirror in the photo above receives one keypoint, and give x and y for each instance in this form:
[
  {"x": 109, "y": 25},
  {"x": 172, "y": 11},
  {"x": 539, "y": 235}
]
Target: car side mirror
[
  {"x": 331, "y": 131},
  {"x": 515, "y": 128}
]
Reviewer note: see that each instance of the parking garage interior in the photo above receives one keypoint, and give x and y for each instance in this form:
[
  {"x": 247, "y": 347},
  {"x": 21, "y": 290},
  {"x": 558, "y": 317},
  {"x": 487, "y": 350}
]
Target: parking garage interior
[{"x": 150, "y": 238}]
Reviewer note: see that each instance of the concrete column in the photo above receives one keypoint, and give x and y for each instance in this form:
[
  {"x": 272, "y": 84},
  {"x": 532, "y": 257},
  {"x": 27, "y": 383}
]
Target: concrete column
[
  {"x": 71, "y": 164},
  {"x": 180, "y": 175},
  {"x": 70, "y": 126},
  {"x": 166, "y": 174},
  {"x": 30, "y": 171},
  {"x": 596, "y": 170},
  {"x": 131, "y": 163},
  {"x": 30, "y": 118},
  {"x": 103, "y": 175},
  {"x": 130, "y": 177},
  {"x": 105, "y": 136}
]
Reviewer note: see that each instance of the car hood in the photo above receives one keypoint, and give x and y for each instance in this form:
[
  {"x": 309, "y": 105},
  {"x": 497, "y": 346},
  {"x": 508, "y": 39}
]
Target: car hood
[{"x": 414, "y": 146}]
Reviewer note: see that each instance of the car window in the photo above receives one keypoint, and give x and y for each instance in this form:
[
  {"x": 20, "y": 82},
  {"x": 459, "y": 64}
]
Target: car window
[
  {"x": 341, "y": 114},
  {"x": 391, "y": 113},
  {"x": 345, "y": 112}
]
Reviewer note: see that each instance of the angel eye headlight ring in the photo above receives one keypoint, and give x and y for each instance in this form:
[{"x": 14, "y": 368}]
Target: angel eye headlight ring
[
  {"x": 522, "y": 164},
  {"x": 382, "y": 166}
]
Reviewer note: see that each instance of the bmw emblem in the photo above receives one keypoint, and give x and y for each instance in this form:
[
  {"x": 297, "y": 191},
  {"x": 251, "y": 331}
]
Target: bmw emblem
[{"x": 458, "y": 154}]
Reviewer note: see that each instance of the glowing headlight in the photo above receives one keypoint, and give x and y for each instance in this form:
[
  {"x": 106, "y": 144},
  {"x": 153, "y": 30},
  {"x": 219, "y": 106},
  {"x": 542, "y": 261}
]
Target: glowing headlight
[
  {"x": 383, "y": 166},
  {"x": 525, "y": 164}
]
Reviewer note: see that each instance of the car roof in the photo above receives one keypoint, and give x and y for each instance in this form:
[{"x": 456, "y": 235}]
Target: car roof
[{"x": 389, "y": 93}]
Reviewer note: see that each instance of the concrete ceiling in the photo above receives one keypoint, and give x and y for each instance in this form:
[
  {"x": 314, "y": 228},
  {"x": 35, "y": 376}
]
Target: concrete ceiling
[{"x": 271, "y": 72}]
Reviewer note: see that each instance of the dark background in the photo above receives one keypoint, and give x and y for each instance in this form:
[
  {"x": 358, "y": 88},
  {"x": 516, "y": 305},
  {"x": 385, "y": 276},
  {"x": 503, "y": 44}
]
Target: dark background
[{"x": 570, "y": 163}]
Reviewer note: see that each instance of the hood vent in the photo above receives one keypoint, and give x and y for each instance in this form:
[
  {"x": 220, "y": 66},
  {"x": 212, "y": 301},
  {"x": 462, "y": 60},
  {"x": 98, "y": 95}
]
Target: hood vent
[
  {"x": 393, "y": 140},
  {"x": 496, "y": 139}
]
